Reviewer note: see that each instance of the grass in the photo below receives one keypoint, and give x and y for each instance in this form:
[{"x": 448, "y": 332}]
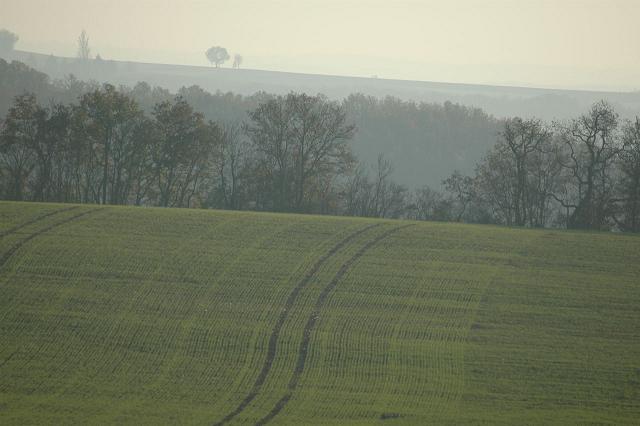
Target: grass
[{"x": 163, "y": 316}]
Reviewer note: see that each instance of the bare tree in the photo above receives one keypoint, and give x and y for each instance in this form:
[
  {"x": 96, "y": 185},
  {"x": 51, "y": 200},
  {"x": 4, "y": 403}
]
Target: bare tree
[
  {"x": 544, "y": 180},
  {"x": 357, "y": 193},
  {"x": 181, "y": 153},
  {"x": 523, "y": 138},
  {"x": 109, "y": 119},
  {"x": 84, "y": 52},
  {"x": 217, "y": 55},
  {"x": 233, "y": 166},
  {"x": 429, "y": 204},
  {"x": 377, "y": 196},
  {"x": 237, "y": 61},
  {"x": 591, "y": 145},
  {"x": 382, "y": 187},
  {"x": 300, "y": 139},
  {"x": 269, "y": 130},
  {"x": 461, "y": 192},
  {"x": 629, "y": 186},
  {"x": 320, "y": 133},
  {"x": 20, "y": 132}
]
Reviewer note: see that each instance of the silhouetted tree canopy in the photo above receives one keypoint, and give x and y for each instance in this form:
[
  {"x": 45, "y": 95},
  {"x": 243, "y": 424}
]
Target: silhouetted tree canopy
[
  {"x": 91, "y": 143},
  {"x": 217, "y": 55}
]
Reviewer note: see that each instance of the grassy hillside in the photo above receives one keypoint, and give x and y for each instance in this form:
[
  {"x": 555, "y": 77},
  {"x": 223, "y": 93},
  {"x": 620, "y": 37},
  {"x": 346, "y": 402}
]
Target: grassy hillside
[{"x": 161, "y": 316}]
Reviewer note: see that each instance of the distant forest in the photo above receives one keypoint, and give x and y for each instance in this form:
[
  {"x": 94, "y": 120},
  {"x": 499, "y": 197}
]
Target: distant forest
[
  {"x": 425, "y": 141},
  {"x": 76, "y": 141}
]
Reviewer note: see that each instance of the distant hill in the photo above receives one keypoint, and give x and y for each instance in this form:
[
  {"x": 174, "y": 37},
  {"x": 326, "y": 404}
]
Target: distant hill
[
  {"x": 500, "y": 101},
  {"x": 424, "y": 141}
]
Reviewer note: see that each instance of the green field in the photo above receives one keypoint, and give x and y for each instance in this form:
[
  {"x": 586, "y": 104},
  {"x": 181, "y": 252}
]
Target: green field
[{"x": 165, "y": 316}]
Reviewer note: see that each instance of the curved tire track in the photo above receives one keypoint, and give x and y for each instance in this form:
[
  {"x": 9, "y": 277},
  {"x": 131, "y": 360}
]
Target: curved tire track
[
  {"x": 311, "y": 323},
  {"x": 7, "y": 255},
  {"x": 34, "y": 220},
  {"x": 275, "y": 333}
]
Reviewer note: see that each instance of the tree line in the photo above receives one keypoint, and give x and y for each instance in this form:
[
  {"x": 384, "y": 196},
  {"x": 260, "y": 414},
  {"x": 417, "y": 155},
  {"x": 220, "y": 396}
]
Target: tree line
[
  {"x": 428, "y": 139},
  {"x": 293, "y": 154},
  {"x": 579, "y": 174},
  {"x": 104, "y": 149}
]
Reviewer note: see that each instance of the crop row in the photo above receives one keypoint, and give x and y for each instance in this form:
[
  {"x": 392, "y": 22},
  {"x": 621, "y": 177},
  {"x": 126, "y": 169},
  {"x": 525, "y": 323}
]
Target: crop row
[{"x": 166, "y": 316}]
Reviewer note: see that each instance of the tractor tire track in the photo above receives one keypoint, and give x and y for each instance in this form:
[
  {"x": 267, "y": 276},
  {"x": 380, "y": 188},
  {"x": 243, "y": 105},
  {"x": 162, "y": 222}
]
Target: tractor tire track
[
  {"x": 313, "y": 319},
  {"x": 34, "y": 220},
  {"x": 9, "y": 253},
  {"x": 275, "y": 333}
]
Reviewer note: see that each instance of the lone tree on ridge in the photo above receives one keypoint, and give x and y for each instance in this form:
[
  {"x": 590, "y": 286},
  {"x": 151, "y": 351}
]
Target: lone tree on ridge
[{"x": 217, "y": 55}]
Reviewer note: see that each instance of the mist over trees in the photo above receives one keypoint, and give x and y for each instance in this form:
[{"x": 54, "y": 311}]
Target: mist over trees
[
  {"x": 92, "y": 143},
  {"x": 548, "y": 104},
  {"x": 18, "y": 78},
  {"x": 424, "y": 141},
  {"x": 8, "y": 41}
]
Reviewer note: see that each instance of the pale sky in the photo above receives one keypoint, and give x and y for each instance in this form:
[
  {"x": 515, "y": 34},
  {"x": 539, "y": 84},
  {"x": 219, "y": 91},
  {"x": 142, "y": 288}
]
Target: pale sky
[{"x": 589, "y": 44}]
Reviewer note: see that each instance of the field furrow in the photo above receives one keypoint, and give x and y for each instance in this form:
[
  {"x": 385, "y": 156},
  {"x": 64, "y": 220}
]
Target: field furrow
[
  {"x": 38, "y": 218},
  {"x": 311, "y": 323},
  {"x": 118, "y": 315},
  {"x": 4, "y": 258},
  {"x": 275, "y": 333}
]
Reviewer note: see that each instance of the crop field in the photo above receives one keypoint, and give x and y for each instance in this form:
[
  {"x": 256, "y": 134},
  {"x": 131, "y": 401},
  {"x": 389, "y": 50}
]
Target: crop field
[{"x": 123, "y": 315}]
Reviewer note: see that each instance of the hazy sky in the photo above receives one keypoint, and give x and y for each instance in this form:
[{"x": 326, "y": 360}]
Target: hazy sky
[{"x": 591, "y": 44}]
